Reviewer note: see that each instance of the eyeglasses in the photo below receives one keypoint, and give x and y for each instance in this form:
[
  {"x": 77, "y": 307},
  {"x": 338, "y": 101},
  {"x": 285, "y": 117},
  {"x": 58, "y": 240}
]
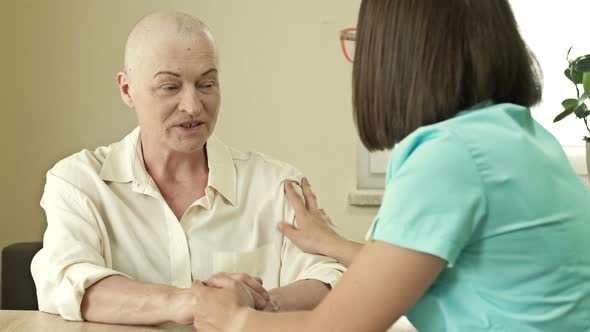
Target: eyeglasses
[{"x": 347, "y": 39}]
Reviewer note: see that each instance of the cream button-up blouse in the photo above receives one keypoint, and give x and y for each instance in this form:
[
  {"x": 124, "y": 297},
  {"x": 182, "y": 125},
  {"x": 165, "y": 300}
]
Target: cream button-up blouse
[{"x": 106, "y": 216}]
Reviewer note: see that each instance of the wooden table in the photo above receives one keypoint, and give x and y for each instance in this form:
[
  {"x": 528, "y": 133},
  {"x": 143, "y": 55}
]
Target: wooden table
[{"x": 35, "y": 321}]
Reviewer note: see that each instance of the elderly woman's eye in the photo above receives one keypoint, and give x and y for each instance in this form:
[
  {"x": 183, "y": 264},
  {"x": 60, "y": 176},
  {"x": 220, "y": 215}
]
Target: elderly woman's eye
[
  {"x": 208, "y": 86},
  {"x": 168, "y": 87}
]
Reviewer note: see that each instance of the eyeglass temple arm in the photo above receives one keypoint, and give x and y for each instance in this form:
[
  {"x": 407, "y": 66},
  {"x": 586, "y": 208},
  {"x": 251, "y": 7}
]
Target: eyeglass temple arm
[{"x": 348, "y": 36}]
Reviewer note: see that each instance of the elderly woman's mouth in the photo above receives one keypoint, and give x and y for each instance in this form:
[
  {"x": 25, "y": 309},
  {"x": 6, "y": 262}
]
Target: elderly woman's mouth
[{"x": 189, "y": 125}]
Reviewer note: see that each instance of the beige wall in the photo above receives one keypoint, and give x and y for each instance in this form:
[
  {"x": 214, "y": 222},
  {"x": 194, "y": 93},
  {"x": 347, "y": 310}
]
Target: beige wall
[{"x": 285, "y": 85}]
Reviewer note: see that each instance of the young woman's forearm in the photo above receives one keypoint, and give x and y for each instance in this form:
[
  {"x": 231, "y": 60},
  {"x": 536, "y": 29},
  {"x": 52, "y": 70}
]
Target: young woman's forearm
[
  {"x": 342, "y": 250},
  {"x": 300, "y": 295},
  {"x": 250, "y": 320}
]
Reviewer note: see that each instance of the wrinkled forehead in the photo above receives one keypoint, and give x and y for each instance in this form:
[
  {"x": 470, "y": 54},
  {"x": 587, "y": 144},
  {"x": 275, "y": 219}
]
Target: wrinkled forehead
[{"x": 179, "y": 52}]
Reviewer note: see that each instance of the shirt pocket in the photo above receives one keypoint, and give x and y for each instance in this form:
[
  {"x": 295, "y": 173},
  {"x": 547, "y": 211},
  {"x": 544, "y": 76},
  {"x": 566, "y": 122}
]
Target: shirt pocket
[{"x": 263, "y": 262}]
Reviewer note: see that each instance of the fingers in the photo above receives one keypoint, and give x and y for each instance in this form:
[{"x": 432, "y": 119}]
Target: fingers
[
  {"x": 327, "y": 219},
  {"x": 259, "y": 301},
  {"x": 310, "y": 198},
  {"x": 213, "y": 308},
  {"x": 221, "y": 280},
  {"x": 286, "y": 229},
  {"x": 259, "y": 280},
  {"x": 294, "y": 198},
  {"x": 254, "y": 282},
  {"x": 252, "y": 285},
  {"x": 290, "y": 232},
  {"x": 224, "y": 281}
]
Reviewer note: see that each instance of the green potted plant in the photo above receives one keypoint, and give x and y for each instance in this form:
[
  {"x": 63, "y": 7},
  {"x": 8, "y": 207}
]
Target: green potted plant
[{"x": 578, "y": 72}]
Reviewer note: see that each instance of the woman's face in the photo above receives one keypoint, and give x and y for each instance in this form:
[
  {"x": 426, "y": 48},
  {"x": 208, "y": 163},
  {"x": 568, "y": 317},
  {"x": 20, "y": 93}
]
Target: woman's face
[{"x": 175, "y": 93}]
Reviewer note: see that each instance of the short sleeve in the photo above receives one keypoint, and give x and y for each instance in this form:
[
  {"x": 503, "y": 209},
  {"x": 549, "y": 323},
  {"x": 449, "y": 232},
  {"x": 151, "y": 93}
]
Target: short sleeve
[
  {"x": 297, "y": 265},
  {"x": 434, "y": 197}
]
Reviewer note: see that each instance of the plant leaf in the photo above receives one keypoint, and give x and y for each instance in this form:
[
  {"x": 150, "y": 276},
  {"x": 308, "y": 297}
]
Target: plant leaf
[
  {"x": 586, "y": 81},
  {"x": 578, "y": 77},
  {"x": 581, "y": 57},
  {"x": 570, "y": 103},
  {"x": 582, "y": 64},
  {"x": 563, "y": 115},
  {"x": 567, "y": 74},
  {"x": 581, "y": 111},
  {"x": 573, "y": 74}
]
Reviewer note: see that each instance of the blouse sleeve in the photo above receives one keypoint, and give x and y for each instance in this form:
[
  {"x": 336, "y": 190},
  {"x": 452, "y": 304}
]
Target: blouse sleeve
[
  {"x": 434, "y": 198},
  {"x": 72, "y": 258}
]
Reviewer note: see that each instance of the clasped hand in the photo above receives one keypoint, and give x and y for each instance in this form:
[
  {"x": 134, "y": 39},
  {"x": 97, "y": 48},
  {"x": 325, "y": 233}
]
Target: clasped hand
[{"x": 226, "y": 295}]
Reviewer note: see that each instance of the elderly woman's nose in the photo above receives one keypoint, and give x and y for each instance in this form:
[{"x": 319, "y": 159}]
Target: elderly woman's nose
[{"x": 191, "y": 102}]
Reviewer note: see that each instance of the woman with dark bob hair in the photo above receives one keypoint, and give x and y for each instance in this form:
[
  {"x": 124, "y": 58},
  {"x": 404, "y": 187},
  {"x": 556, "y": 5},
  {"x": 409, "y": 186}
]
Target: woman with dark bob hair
[{"x": 484, "y": 224}]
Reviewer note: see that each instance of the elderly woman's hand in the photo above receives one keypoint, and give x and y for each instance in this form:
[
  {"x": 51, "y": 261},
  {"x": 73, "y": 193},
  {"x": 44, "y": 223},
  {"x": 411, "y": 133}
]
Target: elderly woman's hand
[
  {"x": 313, "y": 230},
  {"x": 219, "y": 304},
  {"x": 254, "y": 286}
]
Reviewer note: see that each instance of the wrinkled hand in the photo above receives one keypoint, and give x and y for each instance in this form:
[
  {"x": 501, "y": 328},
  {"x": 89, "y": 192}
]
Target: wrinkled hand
[
  {"x": 258, "y": 294},
  {"x": 219, "y": 302},
  {"x": 314, "y": 228}
]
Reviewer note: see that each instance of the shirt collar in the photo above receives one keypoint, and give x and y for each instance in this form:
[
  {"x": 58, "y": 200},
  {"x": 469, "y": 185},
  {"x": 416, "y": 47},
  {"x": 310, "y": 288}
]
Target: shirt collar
[
  {"x": 480, "y": 105},
  {"x": 124, "y": 163},
  {"x": 222, "y": 171},
  {"x": 120, "y": 164}
]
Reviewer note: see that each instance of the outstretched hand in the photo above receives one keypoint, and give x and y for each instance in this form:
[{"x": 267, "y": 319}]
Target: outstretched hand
[{"x": 313, "y": 228}]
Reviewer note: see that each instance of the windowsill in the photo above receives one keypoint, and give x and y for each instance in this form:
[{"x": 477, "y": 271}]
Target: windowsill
[
  {"x": 365, "y": 197},
  {"x": 373, "y": 197}
]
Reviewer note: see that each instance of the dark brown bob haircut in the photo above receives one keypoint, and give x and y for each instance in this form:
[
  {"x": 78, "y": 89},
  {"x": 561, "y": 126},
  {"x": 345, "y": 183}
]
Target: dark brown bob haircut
[{"x": 418, "y": 62}]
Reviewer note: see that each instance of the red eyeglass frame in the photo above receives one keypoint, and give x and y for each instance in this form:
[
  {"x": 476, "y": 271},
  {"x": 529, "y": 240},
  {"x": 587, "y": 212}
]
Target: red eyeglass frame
[{"x": 347, "y": 34}]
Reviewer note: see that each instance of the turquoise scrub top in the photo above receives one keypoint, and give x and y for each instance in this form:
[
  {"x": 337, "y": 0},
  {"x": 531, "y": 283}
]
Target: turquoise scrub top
[{"x": 492, "y": 192}]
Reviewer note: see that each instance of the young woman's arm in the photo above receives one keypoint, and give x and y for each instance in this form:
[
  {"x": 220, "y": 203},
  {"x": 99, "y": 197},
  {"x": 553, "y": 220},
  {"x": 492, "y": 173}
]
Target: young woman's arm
[
  {"x": 314, "y": 232},
  {"x": 343, "y": 250},
  {"x": 380, "y": 286}
]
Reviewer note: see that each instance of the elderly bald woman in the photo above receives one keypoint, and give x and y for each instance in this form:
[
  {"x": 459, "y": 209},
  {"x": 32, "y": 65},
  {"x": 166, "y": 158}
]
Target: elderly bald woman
[{"x": 131, "y": 225}]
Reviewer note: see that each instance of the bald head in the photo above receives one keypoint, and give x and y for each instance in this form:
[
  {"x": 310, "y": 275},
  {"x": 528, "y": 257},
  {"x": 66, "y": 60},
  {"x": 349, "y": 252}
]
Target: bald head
[{"x": 154, "y": 29}]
